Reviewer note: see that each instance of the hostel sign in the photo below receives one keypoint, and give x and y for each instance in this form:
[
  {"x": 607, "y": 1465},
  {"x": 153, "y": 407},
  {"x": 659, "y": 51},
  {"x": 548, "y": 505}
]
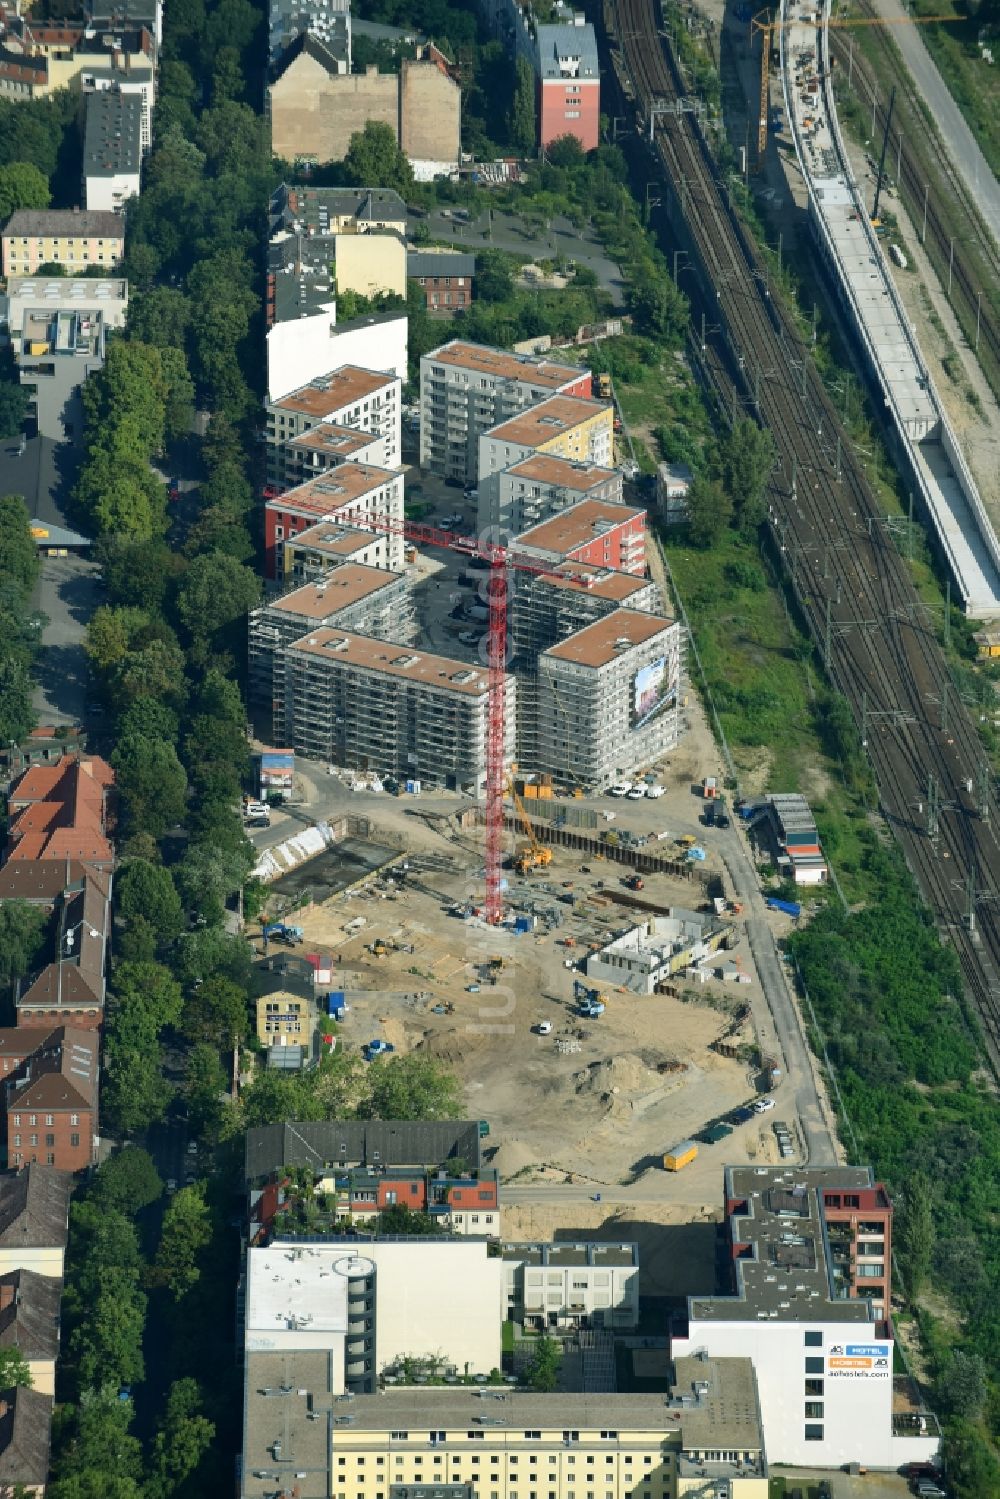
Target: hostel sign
[{"x": 859, "y": 1361}]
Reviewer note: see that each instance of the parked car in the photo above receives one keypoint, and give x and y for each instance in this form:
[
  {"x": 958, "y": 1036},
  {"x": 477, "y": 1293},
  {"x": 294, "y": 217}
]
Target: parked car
[
  {"x": 454, "y": 483},
  {"x": 655, "y": 791},
  {"x": 763, "y": 1105},
  {"x": 635, "y": 793},
  {"x": 544, "y": 1028},
  {"x": 621, "y": 788},
  {"x": 174, "y": 490}
]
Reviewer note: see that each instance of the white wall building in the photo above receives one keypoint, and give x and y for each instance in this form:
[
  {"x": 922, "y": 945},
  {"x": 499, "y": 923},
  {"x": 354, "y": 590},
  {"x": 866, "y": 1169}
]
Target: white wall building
[
  {"x": 348, "y": 396},
  {"x": 824, "y": 1362},
  {"x": 572, "y": 1285},
  {"x": 374, "y": 1304},
  {"x": 659, "y": 947},
  {"x": 301, "y": 349}
]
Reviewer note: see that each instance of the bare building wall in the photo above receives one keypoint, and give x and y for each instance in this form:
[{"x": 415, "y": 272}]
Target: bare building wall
[
  {"x": 430, "y": 113},
  {"x": 314, "y": 115}
]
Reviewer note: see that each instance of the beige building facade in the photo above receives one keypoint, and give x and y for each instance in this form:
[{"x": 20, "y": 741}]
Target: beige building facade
[
  {"x": 370, "y": 264},
  {"x": 73, "y": 238}
]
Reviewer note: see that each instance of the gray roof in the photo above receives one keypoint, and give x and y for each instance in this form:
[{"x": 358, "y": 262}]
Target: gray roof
[
  {"x": 359, "y": 1142},
  {"x": 313, "y": 207},
  {"x": 113, "y": 136},
  {"x": 440, "y": 263},
  {"x": 619, "y": 1256},
  {"x": 555, "y": 42},
  {"x": 70, "y": 223},
  {"x": 34, "y": 1208},
  {"x": 328, "y": 51},
  {"x": 30, "y": 1320},
  {"x": 58, "y": 536},
  {"x": 788, "y": 1274},
  {"x": 25, "y": 1436}
]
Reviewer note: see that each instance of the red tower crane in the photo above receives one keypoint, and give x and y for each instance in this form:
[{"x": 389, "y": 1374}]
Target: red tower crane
[{"x": 500, "y": 558}]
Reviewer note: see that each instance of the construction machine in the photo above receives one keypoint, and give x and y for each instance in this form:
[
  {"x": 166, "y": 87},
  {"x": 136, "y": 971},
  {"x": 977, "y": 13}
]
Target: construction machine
[{"x": 533, "y": 854}]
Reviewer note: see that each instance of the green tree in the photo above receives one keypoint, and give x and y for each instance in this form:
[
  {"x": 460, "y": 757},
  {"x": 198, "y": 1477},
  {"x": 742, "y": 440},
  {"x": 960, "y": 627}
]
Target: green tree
[
  {"x": 106, "y": 1349},
  {"x": 22, "y": 185},
  {"x": 658, "y": 307},
  {"x": 709, "y": 512},
  {"x": 187, "y": 1231},
  {"x": 160, "y": 317},
  {"x": 14, "y": 1370},
  {"x": 110, "y": 633},
  {"x": 961, "y": 1386},
  {"x": 13, "y": 407},
  {"x": 207, "y": 875},
  {"x": 127, "y": 1182},
  {"x": 747, "y": 455},
  {"x": 22, "y": 937},
  {"x": 494, "y": 276},
  {"x": 212, "y": 952},
  {"x": 135, "y": 1094},
  {"x": 204, "y": 1087},
  {"x": 373, "y": 157},
  {"x": 216, "y": 591},
  {"x": 399, "y": 1219},
  {"x": 145, "y": 892},
  {"x": 18, "y": 550},
  {"x": 913, "y": 1234},
  {"x": 415, "y": 1086},
  {"x": 522, "y": 123},
  {"x": 17, "y": 715},
  {"x": 217, "y": 1012},
  {"x": 183, "y": 1439},
  {"x": 542, "y": 1372},
  {"x": 151, "y": 783},
  {"x": 565, "y": 151}
]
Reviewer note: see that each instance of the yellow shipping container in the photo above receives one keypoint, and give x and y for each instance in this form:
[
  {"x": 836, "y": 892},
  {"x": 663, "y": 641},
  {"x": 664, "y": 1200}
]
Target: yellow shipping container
[{"x": 680, "y": 1156}]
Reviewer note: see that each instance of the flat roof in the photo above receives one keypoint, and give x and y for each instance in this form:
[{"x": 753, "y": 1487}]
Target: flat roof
[
  {"x": 69, "y": 291},
  {"x": 440, "y": 262},
  {"x": 587, "y": 577},
  {"x": 542, "y": 423},
  {"x": 337, "y": 541},
  {"x": 777, "y": 1212},
  {"x": 481, "y": 359},
  {"x": 462, "y": 1408},
  {"x": 328, "y": 393},
  {"x": 329, "y": 492},
  {"x": 113, "y": 134},
  {"x": 577, "y": 525},
  {"x": 591, "y": 1252},
  {"x": 274, "y": 1410},
  {"x": 419, "y": 667},
  {"x": 333, "y": 438},
  {"x": 340, "y": 587},
  {"x": 294, "y": 1299},
  {"x": 567, "y": 473},
  {"x": 725, "y": 1413},
  {"x": 599, "y": 643}
]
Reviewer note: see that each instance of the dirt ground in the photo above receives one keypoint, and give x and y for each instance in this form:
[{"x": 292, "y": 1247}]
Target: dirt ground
[{"x": 600, "y": 1099}]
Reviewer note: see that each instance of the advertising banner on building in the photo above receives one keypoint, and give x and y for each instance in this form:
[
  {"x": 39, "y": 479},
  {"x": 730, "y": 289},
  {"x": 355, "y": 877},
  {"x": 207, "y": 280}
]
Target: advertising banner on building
[
  {"x": 859, "y": 1361},
  {"x": 655, "y": 687}
]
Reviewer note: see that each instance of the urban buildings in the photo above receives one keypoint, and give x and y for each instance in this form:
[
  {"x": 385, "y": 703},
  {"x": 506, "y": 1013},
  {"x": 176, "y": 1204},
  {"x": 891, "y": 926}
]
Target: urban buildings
[
  {"x": 352, "y": 494},
  {"x": 59, "y": 811},
  {"x": 315, "y": 107},
  {"x": 112, "y": 149},
  {"x": 805, "y": 1247},
  {"x": 71, "y": 237},
  {"x": 51, "y": 1100},
  {"x": 607, "y": 698},
  {"x": 647, "y": 955},
  {"x": 567, "y": 1285},
  {"x": 367, "y": 600},
  {"x": 673, "y": 480},
  {"x": 460, "y": 1200},
  {"x": 793, "y": 830},
  {"x": 592, "y": 532},
  {"x": 500, "y": 1443},
  {"x": 308, "y": 555},
  {"x": 541, "y": 485},
  {"x": 58, "y": 332},
  {"x": 465, "y": 389},
  {"x": 562, "y": 426},
  {"x": 369, "y": 705},
  {"x": 34, "y": 1225},
  {"x": 132, "y": 79},
  {"x": 446, "y": 276},
  {"x": 305, "y": 341},
  {"x": 328, "y": 1145},
  {"x": 328, "y": 446},
  {"x": 39, "y": 57},
  {"x": 569, "y": 83},
  {"x": 350, "y": 396},
  {"x": 320, "y": 212},
  {"x": 325, "y": 24},
  {"x": 370, "y": 1305}
]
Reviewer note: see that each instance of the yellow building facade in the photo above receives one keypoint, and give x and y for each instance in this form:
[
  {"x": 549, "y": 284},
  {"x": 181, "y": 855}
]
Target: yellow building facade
[{"x": 370, "y": 264}]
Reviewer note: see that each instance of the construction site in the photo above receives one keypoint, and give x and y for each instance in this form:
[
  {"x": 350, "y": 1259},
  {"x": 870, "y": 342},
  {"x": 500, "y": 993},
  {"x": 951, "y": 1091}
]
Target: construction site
[{"x": 580, "y": 1079}]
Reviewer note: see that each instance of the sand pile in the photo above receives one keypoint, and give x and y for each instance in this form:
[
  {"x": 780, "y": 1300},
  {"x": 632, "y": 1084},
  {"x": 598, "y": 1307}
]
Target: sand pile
[
  {"x": 623, "y": 1077},
  {"x": 513, "y": 1156}
]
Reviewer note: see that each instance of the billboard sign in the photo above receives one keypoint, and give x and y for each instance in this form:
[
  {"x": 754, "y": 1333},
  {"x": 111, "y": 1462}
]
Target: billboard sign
[
  {"x": 859, "y": 1361},
  {"x": 655, "y": 687}
]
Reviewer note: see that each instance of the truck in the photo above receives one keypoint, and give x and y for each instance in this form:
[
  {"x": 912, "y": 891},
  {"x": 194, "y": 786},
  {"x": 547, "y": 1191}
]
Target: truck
[
  {"x": 281, "y": 931},
  {"x": 591, "y": 1009},
  {"x": 604, "y": 387},
  {"x": 377, "y": 1048},
  {"x": 679, "y": 1156},
  {"x": 336, "y": 1004}
]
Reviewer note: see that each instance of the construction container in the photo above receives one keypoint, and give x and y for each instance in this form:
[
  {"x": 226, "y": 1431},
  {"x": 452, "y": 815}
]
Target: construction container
[
  {"x": 710, "y": 788},
  {"x": 680, "y": 1156}
]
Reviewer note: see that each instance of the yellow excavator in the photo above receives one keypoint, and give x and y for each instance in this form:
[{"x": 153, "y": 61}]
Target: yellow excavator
[{"x": 533, "y": 854}]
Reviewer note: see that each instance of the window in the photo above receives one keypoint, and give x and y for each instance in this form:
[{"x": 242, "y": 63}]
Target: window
[
  {"x": 814, "y": 1366},
  {"x": 17, "y": 1119},
  {"x": 874, "y": 1271},
  {"x": 475, "y": 1436},
  {"x": 533, "y": 1436},
  {"x": 50, "y": 1159},
  {"x": 814, "y": 1340},
  {"x": 32, "y": 1119},
  {"x": 399, "y": 1436},
  {"x": 814, "y": 1408},
  {"x": 50, "y": 1140},
  {"x": 610, "y": 1436},
  {"x": 48, "y": 1120},
  {"x": 814, "y": 1387},
  {"x": 813, "y": 1433},
  {"x": 74, "y": 1140},
  {"x": 33, "y": 1140},
  {"x": 17, "y": 1139}
]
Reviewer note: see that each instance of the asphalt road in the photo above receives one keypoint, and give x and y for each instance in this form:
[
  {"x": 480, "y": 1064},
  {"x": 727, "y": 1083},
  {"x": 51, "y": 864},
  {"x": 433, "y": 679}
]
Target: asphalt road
[
  {"x": 963, "y": 148},
  {"x": 507, "y": 232}
]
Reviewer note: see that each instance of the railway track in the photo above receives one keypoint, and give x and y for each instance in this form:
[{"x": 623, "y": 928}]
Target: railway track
[
  {"x": 852, "y": 585},
  {"x": 950, "y": 226}
]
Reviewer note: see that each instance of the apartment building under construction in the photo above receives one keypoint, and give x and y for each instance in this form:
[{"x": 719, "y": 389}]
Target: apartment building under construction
[
  {"x": 608, "y": 699},
  {"x": 541, "y": 485},
  {"x": 366, "y": 600},
  {"x": 362, "y": 703}
]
